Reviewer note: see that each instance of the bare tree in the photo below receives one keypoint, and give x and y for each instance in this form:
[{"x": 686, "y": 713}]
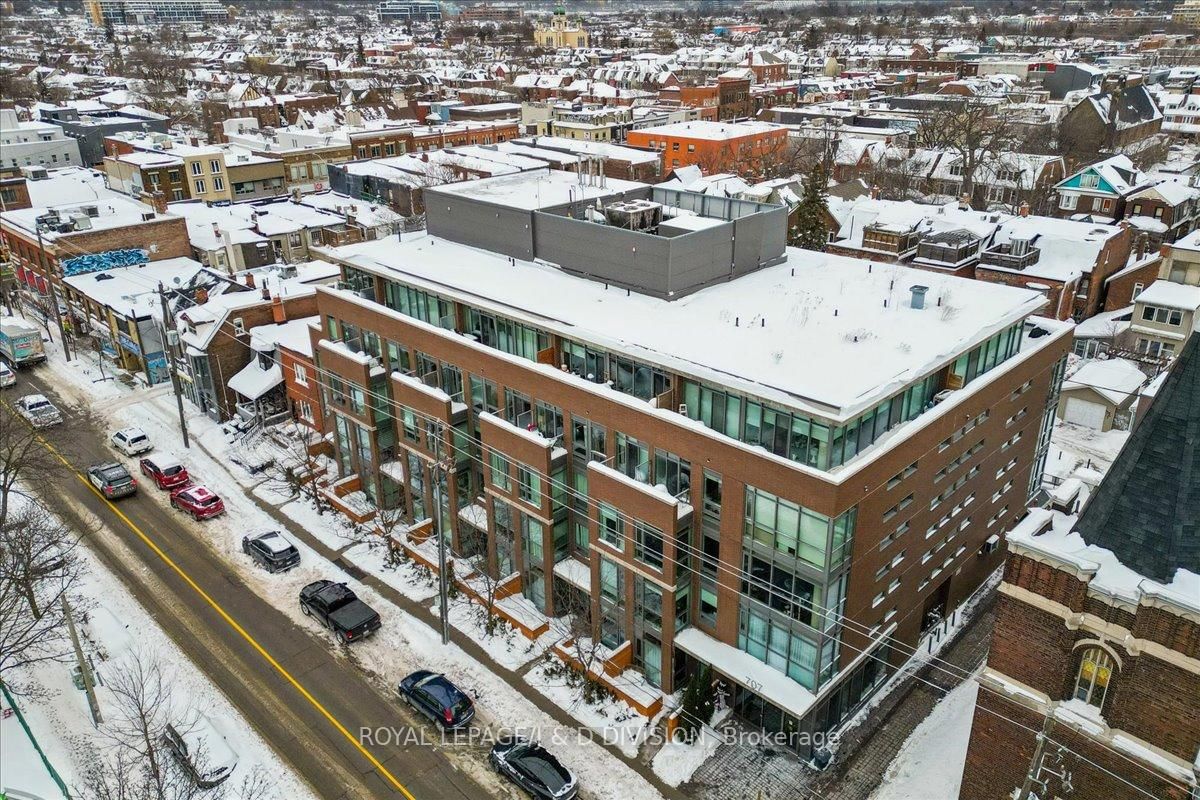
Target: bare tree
[
  {"x": 25, "y": 461},
  {"x": 898, "y": 176},
  {"x": 294, "y": 472},
  {"x": 976, "y": 130},
  {"x": 136, "y": 762},
  {"x": 39, "y": 567}
]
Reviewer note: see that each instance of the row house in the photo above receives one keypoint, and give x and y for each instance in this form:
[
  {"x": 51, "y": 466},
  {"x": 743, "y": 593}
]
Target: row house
[
  {"x": 1100, "y": 191},
  {"x": 1165, "y": 211},
  {"x": 591, "y": 437}
]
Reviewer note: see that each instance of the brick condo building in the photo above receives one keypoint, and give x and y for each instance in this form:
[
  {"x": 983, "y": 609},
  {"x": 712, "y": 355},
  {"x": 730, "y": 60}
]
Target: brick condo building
[
  {"x": 746, "y": 441},
  {"x": 1098, "y": 626}
]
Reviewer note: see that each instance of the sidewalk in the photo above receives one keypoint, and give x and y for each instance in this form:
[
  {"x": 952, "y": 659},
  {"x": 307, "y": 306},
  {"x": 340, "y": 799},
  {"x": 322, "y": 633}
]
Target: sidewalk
[{"x": 421, "y": 610}]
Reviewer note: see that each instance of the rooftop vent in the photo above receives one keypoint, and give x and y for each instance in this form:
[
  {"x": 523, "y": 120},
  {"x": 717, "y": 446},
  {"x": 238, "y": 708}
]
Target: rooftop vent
[{"x": 918, "y": 296}]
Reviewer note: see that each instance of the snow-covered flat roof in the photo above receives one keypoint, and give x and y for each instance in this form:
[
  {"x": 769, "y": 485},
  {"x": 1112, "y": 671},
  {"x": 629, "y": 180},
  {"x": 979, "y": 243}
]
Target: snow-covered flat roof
[
  {"x": 829, "y": 334},
  {"x": 713, "y": 131},
  {"x": 535, "y": 189},
  {"x": 1171, "y": 295}
]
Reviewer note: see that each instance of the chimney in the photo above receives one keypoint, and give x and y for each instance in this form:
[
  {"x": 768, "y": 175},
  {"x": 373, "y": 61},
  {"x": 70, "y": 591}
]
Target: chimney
[
  {"x": 201, "y": 295},
  {"x": 216, "y": 229},
  {"x": 278, "y": 312},
  {"x": 266, "y": 292},
  {"x": 156, "y": 199},
  {"x": 918, "y": 296},
  {"x": 250, "y": 279},
  {"x": 964, "y": 202},
  {"x": 425, "y": 156},
  {"x": 296, "y": 195},
  {"x": 875, "y": 192},
  {"x": 1024, "y": 209}
]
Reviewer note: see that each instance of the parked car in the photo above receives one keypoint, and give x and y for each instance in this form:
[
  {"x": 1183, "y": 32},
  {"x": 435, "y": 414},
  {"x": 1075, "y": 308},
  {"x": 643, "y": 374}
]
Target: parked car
[
  {"x": 530, "y": 766},
  {"x": 165, "y": 470},
  {"x": 199, "y": 501},
  {"x": 40, "y": 412},
  {"x": 112, "y": 479},
  {"x": 437, "y": 698},
  {"x": 339, "y": 609},
  {"x": 201, "y": 750},
  {"x": 272, "y": 550},
  {"x": 7, "y": 376},
  {"x": 131, "y": 441}
]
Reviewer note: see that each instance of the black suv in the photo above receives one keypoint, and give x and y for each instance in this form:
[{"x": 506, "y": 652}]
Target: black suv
[
  {"x": 530, "y": 766},
  {"x": 339, "y": 609},
  {"x": 437, "y": 698},
  {"x": 112, "y": 479},
  {"x": 272, "y": 550}
]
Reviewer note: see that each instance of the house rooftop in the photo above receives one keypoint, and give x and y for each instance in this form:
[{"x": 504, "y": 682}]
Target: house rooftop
[
  {"x": 712, "y": 131},
  {"x": 827, "y": 334},
  {"x": 1171, "y": 295}
]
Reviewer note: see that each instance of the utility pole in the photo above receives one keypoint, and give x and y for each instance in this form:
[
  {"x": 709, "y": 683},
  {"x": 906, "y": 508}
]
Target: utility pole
[
  {"x": 440, "y": 470},
  {"x": 170, "y": 336},
  {"x": 62, "y": 331},
  {"x": 1033, "y": 777},
  {"x": 85, "y": 670}
]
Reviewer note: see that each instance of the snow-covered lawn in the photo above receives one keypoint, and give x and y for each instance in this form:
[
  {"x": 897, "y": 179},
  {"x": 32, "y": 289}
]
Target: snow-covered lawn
[
  {"x": 1074, "y": 446},
  {"x": 406, "y": 643},
  {"x": 115, "y": 631},
  {"x": 930, "y": 764}
]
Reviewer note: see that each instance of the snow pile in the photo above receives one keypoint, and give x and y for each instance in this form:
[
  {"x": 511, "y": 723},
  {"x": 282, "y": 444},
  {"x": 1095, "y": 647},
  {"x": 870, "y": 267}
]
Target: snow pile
[{"x": 930, "y": 764}]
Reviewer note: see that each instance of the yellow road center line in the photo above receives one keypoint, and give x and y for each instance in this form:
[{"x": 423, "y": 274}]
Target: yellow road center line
[{"x": 229, "y": 620}]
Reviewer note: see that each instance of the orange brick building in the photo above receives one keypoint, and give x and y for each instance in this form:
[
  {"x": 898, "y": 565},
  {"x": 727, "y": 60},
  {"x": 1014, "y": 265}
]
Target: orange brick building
[{"x": 713, "y": 146}]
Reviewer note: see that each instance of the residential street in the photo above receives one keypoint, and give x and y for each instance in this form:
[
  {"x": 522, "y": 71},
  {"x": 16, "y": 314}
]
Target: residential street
[{"x": 304, "y": 699}]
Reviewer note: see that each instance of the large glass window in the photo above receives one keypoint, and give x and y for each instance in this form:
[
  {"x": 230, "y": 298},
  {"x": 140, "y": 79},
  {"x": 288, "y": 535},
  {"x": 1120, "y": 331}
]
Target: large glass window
[
  {"x": 673, "y": 472},
  {"x": 790, "y": 528},
  {"x": 648, "y": 545},
  {"x": 772, "y": 642},
  {"x": 506, "y": 335},
  {"x": 633, "y": 458},
  {"x": 612, "y": 527}
]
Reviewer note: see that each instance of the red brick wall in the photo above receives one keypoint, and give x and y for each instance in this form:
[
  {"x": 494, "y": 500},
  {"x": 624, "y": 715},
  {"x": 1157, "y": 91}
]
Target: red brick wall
[
  {"x": 1059, "y": 307},
  {"x": 308, "y": 392},
  {"x": 1119, "y": 292}
]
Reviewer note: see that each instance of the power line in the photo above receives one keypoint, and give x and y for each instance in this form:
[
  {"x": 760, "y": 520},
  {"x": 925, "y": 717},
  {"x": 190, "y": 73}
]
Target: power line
[{"x": 688, "y": 549}]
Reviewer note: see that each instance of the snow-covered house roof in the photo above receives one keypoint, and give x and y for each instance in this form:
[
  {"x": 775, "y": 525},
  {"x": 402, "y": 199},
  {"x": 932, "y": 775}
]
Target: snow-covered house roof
[{"x": 1115, "y": 379}]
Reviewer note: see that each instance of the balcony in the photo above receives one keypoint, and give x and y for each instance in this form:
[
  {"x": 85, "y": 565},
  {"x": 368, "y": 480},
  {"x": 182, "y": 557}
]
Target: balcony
[{"x": 1003, "y": 255}]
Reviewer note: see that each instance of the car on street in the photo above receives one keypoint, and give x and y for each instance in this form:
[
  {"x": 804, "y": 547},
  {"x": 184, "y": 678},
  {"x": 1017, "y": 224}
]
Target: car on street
[
  {"x": 533, "y": 768},
  {"x": 201, "y": 750},
  {"x": 112, "y": 480},
  {"x": 437, "y": 698},
  {"x": 271, "y": 550},
  {"x": 7, "y": 376},
  {"x": 39, "y": 411},
  {"x": 199, "y": 501},
  {"x": 165, "y": 470},
  {"x": 339, "y": 609},
  {"x": 131, "y": 441}
]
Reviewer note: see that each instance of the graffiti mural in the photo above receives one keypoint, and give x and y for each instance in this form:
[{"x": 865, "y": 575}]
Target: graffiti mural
[{"x": 97, "y": 262}]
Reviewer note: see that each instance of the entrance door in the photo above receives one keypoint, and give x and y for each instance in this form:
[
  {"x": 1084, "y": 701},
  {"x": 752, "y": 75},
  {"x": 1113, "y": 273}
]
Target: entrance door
[{"x": 935, "y": 607}]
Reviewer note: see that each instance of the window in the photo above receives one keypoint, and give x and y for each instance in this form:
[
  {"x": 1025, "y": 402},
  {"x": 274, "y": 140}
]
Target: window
[
  {"x": 197, "y": 168},
  {"x": 529, "y": 485},
  {"x": 1089, "y": 180},
  {"x": 1068, "y": 202},
  {"x": 612, "y": 527},
  {"x": 199, "y": 186},
  {"x": 648, "y": 544},
  {"x": 306, "y": 411},
  {"x": 214, "y": 166},
  {"x": 500, "y": 477},
  {"x": 301, "y": 372},
  {"x": 1137, "y": 289},
  {"x": 1095, "y": 671},
  {"x": 218, "y": 184}
]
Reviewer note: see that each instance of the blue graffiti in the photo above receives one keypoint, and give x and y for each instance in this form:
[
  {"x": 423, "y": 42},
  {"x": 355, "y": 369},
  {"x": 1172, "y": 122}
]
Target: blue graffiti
[{"x": 96, "y": 262}]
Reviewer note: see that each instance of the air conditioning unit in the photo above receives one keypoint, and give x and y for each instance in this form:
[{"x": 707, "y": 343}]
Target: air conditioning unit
[
  {"x": 990, "y": 546},
  {"x": 683, "y": 409}
]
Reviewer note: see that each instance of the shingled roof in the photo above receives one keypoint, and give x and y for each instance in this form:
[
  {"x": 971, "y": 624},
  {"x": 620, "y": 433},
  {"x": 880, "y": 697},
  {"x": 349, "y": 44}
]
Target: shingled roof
[{"x": 1147, "y": 508}]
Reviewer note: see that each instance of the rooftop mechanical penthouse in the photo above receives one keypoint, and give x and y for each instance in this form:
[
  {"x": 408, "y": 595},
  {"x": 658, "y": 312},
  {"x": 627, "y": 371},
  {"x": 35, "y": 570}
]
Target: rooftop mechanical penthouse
[{"x": 781, "y": 463}]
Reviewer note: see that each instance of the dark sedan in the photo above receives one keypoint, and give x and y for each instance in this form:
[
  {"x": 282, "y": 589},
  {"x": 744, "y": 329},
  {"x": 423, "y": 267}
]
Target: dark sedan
[
  {"x": 530, "y": 766},
  {"x": 437, "y": 698}
]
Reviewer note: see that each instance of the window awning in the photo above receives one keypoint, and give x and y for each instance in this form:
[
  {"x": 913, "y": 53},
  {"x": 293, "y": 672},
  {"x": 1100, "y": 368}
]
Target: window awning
[{"x": 746, "y": 670}]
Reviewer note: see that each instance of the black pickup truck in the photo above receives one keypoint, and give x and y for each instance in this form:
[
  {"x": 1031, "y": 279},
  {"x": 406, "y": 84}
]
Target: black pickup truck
[{"x": 339, "y": 609}]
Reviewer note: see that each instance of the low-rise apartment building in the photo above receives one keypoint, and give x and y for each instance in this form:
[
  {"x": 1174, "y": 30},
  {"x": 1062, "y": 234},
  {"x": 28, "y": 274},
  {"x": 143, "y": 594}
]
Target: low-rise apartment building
[
  {"x": 1165, "y": 315},
  {"x": 25, "y": 144},
  {"x": 785, "y": 464},
  {"x": 714, "y": 146}
]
